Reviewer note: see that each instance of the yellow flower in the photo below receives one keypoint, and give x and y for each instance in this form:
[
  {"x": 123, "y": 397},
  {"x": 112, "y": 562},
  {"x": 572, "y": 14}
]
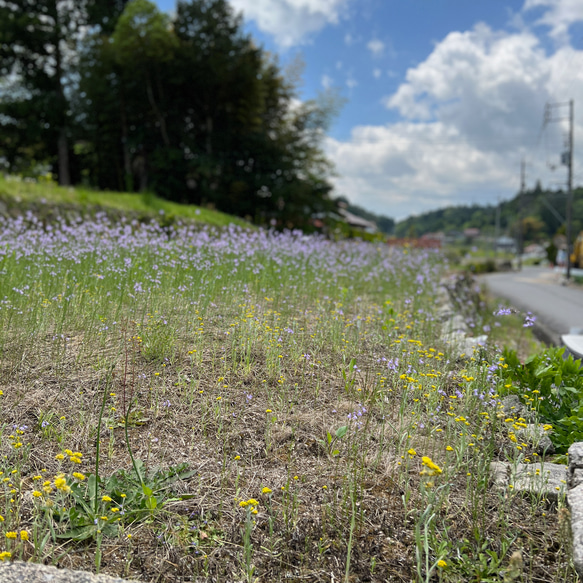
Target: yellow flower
[
  {"x": 23, "y": 535},
  {"x": 79, "y": 475},
  {"x": 68, "y": 452},
  {"x": 268, "y": 411},
  {"x": 37, "y": 494},
  {"x": 106, "y": 499},
  {"x": 431, "y": 469},
  {"x": 5, "y": 555},
  {"x": 11, "y": 535},
  {"x": 60, "y": 457},
  {"x": 412, "y": 452},
  {"x": 266, "y": 490},
  {"x": 115, "y": 509},
  {"x": 237, "y": 457},
  {"x": 449, "y": 448},
  {"x": 441, "y": 564},
  {"x": 61, "y": 484}
]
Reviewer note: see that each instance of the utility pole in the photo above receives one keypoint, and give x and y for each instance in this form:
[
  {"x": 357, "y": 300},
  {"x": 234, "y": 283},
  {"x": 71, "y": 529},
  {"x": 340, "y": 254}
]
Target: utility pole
[
  {"x": 566, "y": 160},
  {"x": 497, "y": 229},
  {"x": 520, "y": 206},
  {"x": 570, "y": 187}
]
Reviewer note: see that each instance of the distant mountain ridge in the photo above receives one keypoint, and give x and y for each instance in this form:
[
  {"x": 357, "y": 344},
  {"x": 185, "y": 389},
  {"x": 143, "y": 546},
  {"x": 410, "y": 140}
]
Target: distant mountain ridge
[{"x": 543, "y": 215}]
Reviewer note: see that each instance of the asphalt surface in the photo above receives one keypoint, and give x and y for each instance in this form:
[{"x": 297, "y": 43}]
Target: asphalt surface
[{"x": 542, "y": 291}]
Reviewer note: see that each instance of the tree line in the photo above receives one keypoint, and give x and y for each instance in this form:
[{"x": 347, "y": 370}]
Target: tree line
[
  {"x": 120, "y": 96},
  {"x": 541, "y": 212}
]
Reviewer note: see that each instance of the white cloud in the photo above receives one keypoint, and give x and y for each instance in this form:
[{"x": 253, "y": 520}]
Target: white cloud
[
  {"x": 376, "y": 47},
  {"x": 377, "y": 73},
  {"x": 351, "y": 83},
  {"x": 327, "y": 81},
  {"x": 559, "y": 15},
  {"x": 470, "y": 111},
  {"x": 348, "y": 39},
  {"x": 291, "y": 21}
]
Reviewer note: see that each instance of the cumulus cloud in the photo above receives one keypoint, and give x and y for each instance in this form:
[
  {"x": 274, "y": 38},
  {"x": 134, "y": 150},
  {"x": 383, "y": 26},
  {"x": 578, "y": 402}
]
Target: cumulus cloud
[
  {"x": 376, "y": 47},
  {"x": 469, "y": 112},
  {"x": 559, "y": 15},
  {"x": 291, "y": 21}
]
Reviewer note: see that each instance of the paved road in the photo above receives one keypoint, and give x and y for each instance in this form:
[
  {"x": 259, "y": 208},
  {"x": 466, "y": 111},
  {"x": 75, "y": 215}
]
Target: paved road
[{"x": 558, "y": 308}]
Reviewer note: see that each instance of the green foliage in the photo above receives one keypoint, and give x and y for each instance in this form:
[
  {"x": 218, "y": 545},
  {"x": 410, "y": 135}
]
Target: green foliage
[
  {"x": 541, "y": 220},
  {"x": 552, "y": 386},
  {"x": 98, "y": 507},
  {"x": 329, "y": 443},
  {"x": 478, "y": 267}
]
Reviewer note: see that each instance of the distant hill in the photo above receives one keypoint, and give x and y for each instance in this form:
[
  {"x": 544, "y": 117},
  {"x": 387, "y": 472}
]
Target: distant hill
[{"x": 543, "y": 214}]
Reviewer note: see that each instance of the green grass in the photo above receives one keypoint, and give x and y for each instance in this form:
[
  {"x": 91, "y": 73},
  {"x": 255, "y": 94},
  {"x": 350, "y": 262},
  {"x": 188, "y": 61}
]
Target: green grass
[
  {"x": 252, "y": 406},
  {"x": 21, "y": 192}
]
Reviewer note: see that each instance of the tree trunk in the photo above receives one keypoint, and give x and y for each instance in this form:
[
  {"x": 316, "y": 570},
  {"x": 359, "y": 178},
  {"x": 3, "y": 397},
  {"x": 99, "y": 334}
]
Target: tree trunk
[
  {"x": 62, "y": 142},
  {"x": 127, "y": 163},
  {"x": 63, "y": 152},
  {"x": 157, "y": 112}
]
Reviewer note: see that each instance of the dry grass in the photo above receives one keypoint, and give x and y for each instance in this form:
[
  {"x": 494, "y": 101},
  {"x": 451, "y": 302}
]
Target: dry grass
[{"x": 215, "y": 395}]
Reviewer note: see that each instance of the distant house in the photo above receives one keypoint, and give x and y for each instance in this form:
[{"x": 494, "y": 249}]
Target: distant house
[
  {"x": 432, "y": 240},
  {"x": 506, "y": 244},
  {"x": 471, "y": 233},
  {"x": 453, "y": 237},
  {"x": 357, "y": 222}
]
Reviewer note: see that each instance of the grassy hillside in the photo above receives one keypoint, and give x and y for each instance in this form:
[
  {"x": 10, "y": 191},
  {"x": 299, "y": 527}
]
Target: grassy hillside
[{"x": 19, "y": 194}]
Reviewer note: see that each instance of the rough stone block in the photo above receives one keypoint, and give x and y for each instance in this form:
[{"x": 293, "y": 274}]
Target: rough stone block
[
  {"x": 547, "y": 479},
  {"x": 499, "y": 472},
  {"x": 21, "y": 572},
  {"x": 575, "y": 501},
  {"x": 537, "y": 437},
  {"x": 576, "y": 455}
]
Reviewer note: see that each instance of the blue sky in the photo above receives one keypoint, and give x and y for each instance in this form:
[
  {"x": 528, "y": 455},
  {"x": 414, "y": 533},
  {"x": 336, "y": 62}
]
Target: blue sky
[{"x": 443, "y": 98}]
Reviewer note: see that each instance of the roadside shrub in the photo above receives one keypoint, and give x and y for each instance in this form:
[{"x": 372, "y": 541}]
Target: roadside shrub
[{"x": 551, "y": 386}]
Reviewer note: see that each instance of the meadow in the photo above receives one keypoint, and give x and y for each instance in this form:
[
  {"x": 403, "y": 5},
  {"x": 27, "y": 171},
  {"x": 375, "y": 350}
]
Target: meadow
[{"x": 188, "y": 401}]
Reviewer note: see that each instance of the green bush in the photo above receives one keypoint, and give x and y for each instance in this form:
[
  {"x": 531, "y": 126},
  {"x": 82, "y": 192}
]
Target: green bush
[{"x": 552, "y": 386}]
